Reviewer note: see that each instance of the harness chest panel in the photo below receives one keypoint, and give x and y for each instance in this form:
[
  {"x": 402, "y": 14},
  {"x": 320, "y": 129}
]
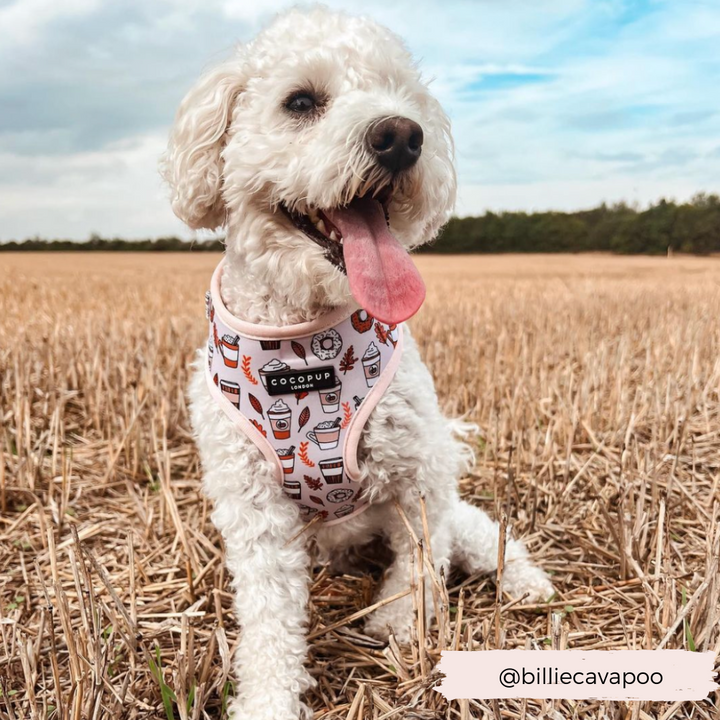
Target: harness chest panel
[{"x": 303, "y": 393}]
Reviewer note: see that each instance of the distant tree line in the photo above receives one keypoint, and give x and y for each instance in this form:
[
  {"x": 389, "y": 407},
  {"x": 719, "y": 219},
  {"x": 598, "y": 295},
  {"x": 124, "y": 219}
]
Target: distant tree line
[
  {"x": 692, "y": 227},
  {"x": 101, "y": 244}
]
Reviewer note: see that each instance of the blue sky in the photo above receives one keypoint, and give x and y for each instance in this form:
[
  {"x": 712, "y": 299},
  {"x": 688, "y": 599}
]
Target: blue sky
[{"x": 555, "y": 104}]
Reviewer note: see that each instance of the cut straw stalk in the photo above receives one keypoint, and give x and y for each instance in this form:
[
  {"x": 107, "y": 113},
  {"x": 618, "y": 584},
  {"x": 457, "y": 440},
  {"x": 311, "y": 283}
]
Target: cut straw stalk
[{"x": 600, "y": 373}]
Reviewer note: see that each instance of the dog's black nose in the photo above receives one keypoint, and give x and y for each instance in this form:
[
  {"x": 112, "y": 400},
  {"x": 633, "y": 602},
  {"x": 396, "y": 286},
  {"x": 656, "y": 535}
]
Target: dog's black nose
[{"x": 396, "y": 142}]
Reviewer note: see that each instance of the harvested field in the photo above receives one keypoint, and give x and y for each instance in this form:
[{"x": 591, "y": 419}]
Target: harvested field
[{"x": 595, "y": 379}]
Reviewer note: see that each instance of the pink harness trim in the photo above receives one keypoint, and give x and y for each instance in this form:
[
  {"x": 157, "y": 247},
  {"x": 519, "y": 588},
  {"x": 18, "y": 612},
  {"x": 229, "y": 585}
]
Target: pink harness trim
[{"x": 244, "y": 358}]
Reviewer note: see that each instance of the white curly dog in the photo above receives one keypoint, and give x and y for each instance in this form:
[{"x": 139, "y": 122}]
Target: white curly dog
[{"x": 318, "y": 110}]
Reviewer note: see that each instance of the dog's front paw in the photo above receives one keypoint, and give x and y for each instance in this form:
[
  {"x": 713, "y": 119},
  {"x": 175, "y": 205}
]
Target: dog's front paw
[
  {"x": 380, "y": 629},
  {"x": 270, "y": 709},
  {"x": 522, "y": 577},
  {"x": 396, "y": 619}
]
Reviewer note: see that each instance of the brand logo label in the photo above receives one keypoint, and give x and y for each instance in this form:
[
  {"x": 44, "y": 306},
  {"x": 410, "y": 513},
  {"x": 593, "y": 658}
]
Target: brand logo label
[{"x": 301, "y": 380}]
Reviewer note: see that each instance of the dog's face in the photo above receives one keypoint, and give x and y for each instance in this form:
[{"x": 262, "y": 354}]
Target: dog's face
[{"x": 322, "y": 150}]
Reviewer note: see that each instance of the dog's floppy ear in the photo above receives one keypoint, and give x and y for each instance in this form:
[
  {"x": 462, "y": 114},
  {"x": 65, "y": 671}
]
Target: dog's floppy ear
[{"x": 192, "y": 165}]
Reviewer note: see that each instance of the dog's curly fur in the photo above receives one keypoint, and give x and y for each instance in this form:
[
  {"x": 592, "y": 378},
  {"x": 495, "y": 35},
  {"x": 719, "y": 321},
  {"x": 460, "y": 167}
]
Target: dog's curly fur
[{"x": 236, "y": 158}]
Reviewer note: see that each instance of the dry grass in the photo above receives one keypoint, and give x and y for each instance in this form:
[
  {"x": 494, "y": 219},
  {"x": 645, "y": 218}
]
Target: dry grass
[{"x": 596, "y": 381}]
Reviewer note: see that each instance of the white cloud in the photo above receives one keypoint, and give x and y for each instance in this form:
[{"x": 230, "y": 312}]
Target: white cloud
[
  {"x": 627, "y": 108},
  {"x": 116, "y": 191},
  {"x": 22, "y": 21},
  {"x": 569, "y": 194}
]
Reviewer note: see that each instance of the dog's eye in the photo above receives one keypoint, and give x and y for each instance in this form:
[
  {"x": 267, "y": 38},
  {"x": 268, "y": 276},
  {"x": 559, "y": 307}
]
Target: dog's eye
[{"x": 301, "y": 103}]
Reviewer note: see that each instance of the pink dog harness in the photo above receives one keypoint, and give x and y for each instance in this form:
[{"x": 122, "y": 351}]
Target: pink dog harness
[{"x": 303, "y": 393}]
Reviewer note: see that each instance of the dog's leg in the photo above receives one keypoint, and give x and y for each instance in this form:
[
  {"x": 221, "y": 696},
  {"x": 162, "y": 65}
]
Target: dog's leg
[
  {"x": 398, "y": 617},
  {"x": 475, "y": 549},
  {"x": 270, "y": 582},
  {"x": 270, "y": 574}
]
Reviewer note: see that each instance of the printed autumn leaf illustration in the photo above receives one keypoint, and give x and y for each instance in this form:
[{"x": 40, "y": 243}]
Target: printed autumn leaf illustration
[
  {"x": 247, "y": 372},
  {"x": 257, "y": 407},
  {"x": 381, "y": 333},
  {"x": 348, "y": 360},
  {"x": 259, "y": 427},
  {"x": 216, "y": 339},
  {"x": 313, "y": 483},
  {"x": 347, "y": 415},
  {"x": 216, "y": 380},
  {"x": 302, "y": 453},
  {"x": 323, "y": 514},
  {"x": 299, "y": 350},
  {"x": 303, "y": 419},
  {"x": 317, "y": 500},
  {"x": 301, "y": 395}
]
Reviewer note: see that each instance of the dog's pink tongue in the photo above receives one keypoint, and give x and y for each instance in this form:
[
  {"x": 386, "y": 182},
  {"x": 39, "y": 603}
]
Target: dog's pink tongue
[{"x": 382, "y": 276}]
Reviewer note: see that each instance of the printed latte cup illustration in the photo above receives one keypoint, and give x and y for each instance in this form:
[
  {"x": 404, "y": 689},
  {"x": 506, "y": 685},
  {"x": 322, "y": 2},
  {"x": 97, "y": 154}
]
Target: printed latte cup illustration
[
  {"x": 292, "y": 489},
  {"x": 330, "y": 399},
  {"x": 280, "y": 417},
  {"x": 230, "y": 350},
  {"x": 273, "y": 367},
  {"x": 332, "y": 470},
  {"x": 287, "y": 459},
  {"x": 371, "y": 364},
  {"x": 326, "y": 435},
  {"x": 231, "y": 391}
]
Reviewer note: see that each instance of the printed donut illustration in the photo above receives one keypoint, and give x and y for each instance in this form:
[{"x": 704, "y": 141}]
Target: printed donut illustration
[
  {"x": 362, "y": 320},
  {"x": 340, "y": 495},
  {"x": 326, "y": 344}
]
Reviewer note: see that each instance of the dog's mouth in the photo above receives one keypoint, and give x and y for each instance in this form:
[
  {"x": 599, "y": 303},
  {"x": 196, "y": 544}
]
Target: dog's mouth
[{"x": 356, "y": 239}]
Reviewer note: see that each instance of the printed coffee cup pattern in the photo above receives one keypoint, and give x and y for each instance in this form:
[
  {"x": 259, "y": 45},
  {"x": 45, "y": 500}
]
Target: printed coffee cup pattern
[
  {"x": 287, "y": 459},
  {"x": 332, "y": 470},
  {"x": 371, "y": 364},
  {"x": 330, "y": 399},
  {"x": 231, "y": 391},
  {"x": 292, "y": 489},
  {"x": 326, "y": 435},
  {"x": 230, "y": 350},
  {"x": 274, "y": 367},
  {"x": 306, "y": 427},
  {"x": 280, "y": 417}
]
